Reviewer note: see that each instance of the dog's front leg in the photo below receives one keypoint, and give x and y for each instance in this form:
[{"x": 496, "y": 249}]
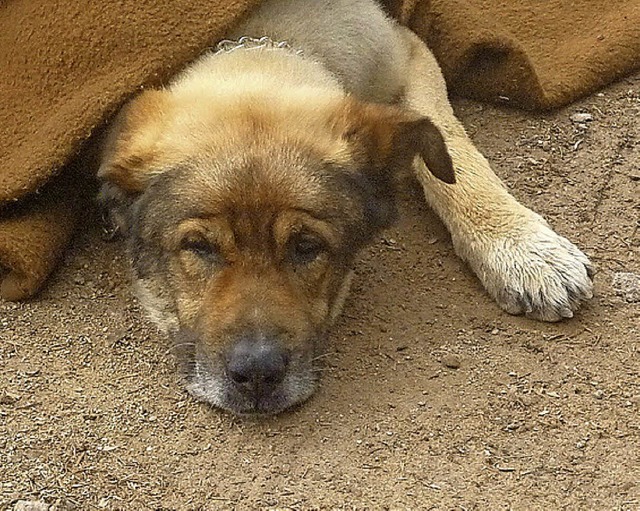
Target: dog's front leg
[{"x": 521, "y": 261}]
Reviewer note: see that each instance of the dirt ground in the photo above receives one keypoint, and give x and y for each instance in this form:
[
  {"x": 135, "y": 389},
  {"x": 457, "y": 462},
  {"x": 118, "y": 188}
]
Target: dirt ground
[{"x": 536, "y": 416}]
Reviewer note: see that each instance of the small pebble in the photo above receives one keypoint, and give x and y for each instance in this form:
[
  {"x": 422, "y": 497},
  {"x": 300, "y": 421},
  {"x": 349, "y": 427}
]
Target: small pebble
[
  {"x": 627, "y": 285},
  {"x": 8, "y": 399},
  {"x": 451, "y": 361},
  {"x": 581, "y": 117},
  {"x": 30, "y": 505}
]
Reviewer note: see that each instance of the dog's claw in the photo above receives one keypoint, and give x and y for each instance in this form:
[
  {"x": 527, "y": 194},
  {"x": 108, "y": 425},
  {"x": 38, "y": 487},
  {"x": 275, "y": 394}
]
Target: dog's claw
[{"x": 591, "y": 270}]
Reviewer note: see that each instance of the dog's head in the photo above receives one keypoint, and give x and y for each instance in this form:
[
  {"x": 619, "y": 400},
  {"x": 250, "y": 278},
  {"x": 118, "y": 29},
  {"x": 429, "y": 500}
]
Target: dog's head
[{"x": 243, "y": 219}]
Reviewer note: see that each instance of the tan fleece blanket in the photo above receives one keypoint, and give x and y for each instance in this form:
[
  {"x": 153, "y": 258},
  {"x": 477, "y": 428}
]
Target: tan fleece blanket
[{"x": 66, "y": 66}]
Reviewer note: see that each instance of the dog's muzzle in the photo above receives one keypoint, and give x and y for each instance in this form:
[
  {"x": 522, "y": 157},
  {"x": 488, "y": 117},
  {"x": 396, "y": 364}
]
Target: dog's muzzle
[{"x": 253, "y": 375}]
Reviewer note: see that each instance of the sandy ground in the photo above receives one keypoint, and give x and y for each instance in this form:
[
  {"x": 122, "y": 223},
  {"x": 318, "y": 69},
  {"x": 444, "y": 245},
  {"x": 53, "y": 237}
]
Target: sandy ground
[{"x": 536, "y": 416}]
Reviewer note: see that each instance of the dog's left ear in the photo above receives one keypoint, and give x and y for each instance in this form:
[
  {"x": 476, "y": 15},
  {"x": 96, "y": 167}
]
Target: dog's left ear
[
  {"x": 391, "y": 137},
  {"x": 133, "y": 153}
]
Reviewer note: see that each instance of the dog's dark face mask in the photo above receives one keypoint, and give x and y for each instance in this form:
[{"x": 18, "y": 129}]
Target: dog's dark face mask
[{"x": 242, "y": 233}]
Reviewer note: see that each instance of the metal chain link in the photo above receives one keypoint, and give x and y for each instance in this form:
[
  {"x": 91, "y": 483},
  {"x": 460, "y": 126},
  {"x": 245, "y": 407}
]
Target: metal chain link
[{"x": 250, "y": 43}]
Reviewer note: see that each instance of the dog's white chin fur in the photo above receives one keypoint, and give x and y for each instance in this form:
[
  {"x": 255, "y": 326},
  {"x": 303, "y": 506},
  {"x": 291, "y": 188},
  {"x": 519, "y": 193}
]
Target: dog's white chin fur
[{"x": 294, "y": 390}]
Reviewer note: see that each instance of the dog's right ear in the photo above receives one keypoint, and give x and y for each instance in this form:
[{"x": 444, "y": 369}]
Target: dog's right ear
[
  {"x": 392, "y": 137},
  {"x": 132, "y": 152}
]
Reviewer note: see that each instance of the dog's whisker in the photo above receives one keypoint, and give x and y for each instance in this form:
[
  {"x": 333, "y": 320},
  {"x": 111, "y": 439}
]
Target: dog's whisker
[
  {"x": 322, "y": 369},
  {"x": 177, "y": 345},
  {"x": 180, "y": 346},
  {"x": 324, "y": 355}
]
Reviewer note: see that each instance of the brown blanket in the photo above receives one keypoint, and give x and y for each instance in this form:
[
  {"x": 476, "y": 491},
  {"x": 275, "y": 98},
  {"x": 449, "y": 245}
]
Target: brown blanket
[{"x": 66, "y": 66}]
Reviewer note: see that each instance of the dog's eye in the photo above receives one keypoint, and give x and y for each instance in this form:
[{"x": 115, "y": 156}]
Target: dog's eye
[
  {"x": 305, "y": 250},
  {"x": 201, "y": 247}
]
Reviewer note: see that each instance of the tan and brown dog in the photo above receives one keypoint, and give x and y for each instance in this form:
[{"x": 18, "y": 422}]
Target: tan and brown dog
[{"x": 246, "y": 187}]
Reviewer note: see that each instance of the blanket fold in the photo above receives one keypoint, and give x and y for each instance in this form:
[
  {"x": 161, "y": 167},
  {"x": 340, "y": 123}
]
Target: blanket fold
[
  {"x": 34, "y": 233},
  {"x": 67, "y": 66},
  {"x": 534, "y": 55}
]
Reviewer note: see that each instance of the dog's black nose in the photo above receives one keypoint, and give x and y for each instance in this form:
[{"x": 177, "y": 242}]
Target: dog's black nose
[{"x": 257, "y": 365}]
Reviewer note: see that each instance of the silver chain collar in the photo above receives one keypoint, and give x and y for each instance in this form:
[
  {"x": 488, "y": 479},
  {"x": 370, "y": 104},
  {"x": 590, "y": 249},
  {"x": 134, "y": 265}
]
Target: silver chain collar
[{"x": 254, "y": 43}]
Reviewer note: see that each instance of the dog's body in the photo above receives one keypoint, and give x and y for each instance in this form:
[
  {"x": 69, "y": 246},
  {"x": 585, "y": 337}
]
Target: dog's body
[{"x": 247, "y": 186}]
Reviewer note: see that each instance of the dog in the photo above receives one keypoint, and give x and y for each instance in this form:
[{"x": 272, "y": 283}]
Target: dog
[{"x": 246, "y": 187}]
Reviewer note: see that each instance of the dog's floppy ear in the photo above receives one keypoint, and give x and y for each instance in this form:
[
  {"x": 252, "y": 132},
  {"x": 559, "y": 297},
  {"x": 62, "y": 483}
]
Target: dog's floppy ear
[
  {"x": 392, "y": 137},
  {"x": 420, "y": 136},
  {"x": 132, "y": 154}
]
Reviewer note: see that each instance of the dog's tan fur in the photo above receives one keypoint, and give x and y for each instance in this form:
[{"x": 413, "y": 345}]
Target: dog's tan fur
[{"x": 247, "y": 186}]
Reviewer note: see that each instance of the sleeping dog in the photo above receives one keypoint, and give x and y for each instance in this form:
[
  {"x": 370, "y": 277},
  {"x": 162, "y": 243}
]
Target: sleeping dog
[{"x": 246, "y": 187}]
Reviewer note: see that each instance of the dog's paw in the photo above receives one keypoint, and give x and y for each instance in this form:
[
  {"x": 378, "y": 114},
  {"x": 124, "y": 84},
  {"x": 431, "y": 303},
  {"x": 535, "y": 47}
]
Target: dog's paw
[{"x": 533, "y": 271}]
